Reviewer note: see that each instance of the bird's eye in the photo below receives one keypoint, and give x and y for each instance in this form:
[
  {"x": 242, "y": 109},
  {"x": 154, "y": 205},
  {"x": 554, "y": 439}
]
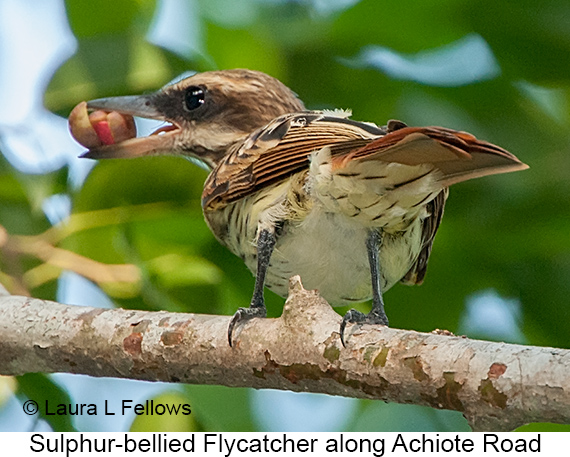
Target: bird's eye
[{"x": 194, "y": 98}]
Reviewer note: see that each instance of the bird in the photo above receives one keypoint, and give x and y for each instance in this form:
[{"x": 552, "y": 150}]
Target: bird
[{"x": 350, "y": 206}]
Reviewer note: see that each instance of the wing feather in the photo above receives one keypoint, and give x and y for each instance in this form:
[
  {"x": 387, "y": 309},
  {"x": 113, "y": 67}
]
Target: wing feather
[
  {"x": 283, "y": 147},
  {"x": 279, "y": 150},
  {"x": 429, "y": 228}
]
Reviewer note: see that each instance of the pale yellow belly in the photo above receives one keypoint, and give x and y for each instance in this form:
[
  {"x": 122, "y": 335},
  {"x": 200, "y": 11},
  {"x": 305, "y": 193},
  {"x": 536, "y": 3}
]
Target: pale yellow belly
[
  {"x": 327, "y": 249},
  {"x": 329, "y": 252}
]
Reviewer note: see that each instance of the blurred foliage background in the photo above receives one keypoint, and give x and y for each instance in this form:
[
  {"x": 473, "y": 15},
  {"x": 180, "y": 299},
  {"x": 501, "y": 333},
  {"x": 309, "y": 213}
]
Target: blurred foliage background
[{"x": 500, "y": 266}]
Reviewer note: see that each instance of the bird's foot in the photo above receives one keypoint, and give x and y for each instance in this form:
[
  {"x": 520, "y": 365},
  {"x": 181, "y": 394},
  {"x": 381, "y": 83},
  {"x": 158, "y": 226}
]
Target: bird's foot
[
  {"x": 244, "y": 315},
  {"x": 356, "y": 317}
]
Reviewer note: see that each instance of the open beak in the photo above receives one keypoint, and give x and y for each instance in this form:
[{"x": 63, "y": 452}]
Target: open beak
[{"x": 111, "y": 119}]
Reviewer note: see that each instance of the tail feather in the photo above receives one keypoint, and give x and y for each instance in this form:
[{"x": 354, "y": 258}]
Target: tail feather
[{"x": 459, "y": 156}]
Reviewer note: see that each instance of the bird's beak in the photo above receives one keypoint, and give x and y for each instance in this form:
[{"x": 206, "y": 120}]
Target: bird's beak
[{"x": 121, "y": 110}]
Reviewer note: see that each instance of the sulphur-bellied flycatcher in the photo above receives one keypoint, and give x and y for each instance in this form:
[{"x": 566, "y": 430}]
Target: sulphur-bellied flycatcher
[{"x": 351, "y": 207}]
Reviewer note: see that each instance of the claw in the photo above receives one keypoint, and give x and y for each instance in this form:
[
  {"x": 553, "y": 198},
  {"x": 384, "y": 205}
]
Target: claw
[
  {"x": 244, "y": 315},
  {"x": 356, "y": 317}
]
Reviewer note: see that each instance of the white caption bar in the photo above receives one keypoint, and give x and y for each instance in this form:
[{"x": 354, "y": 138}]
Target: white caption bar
[{"x": 283, "y": 444}]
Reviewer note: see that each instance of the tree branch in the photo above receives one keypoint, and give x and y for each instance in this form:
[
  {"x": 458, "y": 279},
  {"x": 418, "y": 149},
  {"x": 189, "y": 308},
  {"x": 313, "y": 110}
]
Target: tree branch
[{"x": 497, "y": 386}]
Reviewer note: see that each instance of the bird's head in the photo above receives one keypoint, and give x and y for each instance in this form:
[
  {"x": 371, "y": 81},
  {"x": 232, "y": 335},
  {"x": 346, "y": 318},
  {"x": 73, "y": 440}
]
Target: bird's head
[{"x": 206, "y": 113}]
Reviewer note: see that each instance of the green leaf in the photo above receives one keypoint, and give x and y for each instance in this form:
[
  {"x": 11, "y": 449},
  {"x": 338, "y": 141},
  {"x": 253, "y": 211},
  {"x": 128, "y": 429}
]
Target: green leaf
[
  {"x": 402, "y": 26},
  {"x": 544, "y": 427},
  {"x": 221, "y": 409},
  {"x": 530, "y": 38},
  {"x": 41, "y": 389},
  {"x": 394, "y": 417},
  {"x": 110, "y": 65},
  {"x": 169, "y": 412},
  {"x": 108, "y": 17},
  {"x": 243, "y": 49},
  {"x": 22, "y": 196}
]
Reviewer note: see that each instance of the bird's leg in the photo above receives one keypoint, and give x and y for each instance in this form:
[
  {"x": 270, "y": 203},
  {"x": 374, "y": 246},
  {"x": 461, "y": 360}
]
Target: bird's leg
[
  {"x": 377, "y": 315},
  {"x": 265, "y": 244}
]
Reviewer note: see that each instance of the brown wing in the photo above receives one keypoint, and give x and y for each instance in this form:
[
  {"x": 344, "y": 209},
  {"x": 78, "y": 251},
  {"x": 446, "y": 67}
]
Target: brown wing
[
  {"x": 459, "y": 156},
  {"x": 429, "y": 229},
  {"x": 280, "y": 149}
]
